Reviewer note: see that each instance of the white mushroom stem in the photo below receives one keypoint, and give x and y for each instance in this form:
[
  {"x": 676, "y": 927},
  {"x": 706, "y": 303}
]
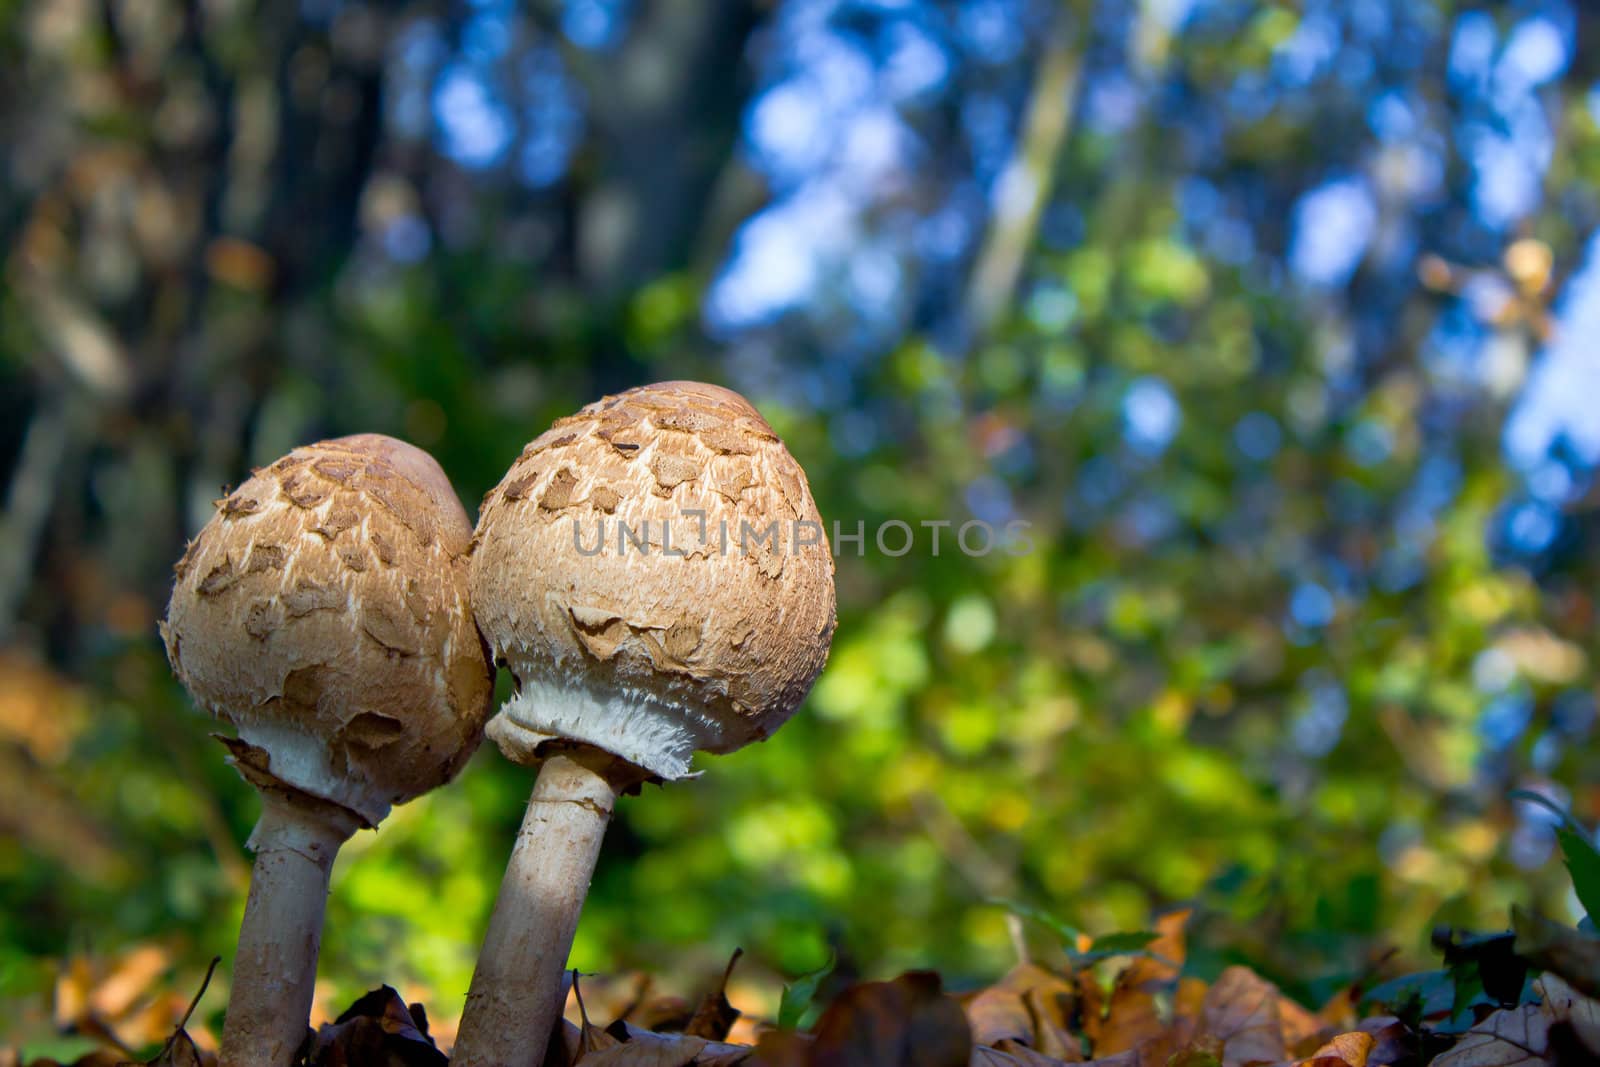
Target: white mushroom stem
[
  {"x": 516, "y": 997},
  {"x": 275, "y": 966}
]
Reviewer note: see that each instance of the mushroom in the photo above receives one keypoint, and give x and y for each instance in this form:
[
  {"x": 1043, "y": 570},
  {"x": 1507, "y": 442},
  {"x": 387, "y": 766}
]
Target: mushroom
[
  {"x": 323, "y": 612},
  {"x": 654, "y": 573}
]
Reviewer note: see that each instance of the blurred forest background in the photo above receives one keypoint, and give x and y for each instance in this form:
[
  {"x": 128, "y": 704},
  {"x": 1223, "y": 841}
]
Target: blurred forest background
[{"x": 1280, "y": 322}]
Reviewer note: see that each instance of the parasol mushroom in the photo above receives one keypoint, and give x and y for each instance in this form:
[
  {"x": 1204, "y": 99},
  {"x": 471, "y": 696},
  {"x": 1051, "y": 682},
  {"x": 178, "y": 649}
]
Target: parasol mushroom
[
  {"x": 653, "y": 572},
  {"x": 323, "y": 612}
]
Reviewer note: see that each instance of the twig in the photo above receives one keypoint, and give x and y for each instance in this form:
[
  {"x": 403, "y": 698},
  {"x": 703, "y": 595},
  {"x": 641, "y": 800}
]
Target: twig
[
  {"x": 972, "y": 861},
  {"x": 205, "y": 984},
  {"x": 1019, "y": 939}
]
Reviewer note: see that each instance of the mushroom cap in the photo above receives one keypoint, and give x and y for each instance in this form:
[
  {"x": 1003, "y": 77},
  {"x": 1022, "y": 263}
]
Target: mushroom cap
[
  {"x": 707, "y": 637},
  {"x": 323, "y": 612}
]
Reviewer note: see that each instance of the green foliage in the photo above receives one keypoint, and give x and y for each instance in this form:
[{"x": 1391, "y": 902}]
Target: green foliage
[
  {"x": 1577, "y": 849},
  {"x": 799, "y": 997},
  {"x": 1583, "y": 863},
  {"x": 1067, "y": 933}
]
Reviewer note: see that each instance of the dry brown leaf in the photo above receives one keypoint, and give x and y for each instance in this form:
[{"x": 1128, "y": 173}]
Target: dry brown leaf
[
  {"x": 1187, "y": 1004},
  {"x": 782, "y": 1048},
  {"x": 130, "y": 980},
  {"x": 379, "y": 1028},
  {"x": 662, "y": 1014},
  {"x": 1567, "y": 1007},
  {"x": 118, "y": 1001},
  {"x": 1021, "y": 1054},
  {"x": 1131, "y": 1058},
  {"x": 621, "y": 996},
  {"x": 1555, "y": 948},
  {"x": 1346, "y": 1050},
  {"x": 1164, "y": 956},
  {"x": 1132, "y": 1018},
  {"x": 1241, "y": 1012},
  {"x": 907, "y": 1021},
  {"x": 591, "y": 1038},
  {"x": 1303, "y": 1031},
  {"x": 1030, "y": 1005},
  {"x": 181, "y": 1051},
  {"x": 1051, "y": 1006},
  {"x": 104, "y": 1057},
  {"x": 1091, "y": 1004},
  {"x": 74, "y": 985},
  {"x": 1512, "y": 1037},
  {"x": 999, "y": 1014},
  {"x": 715, "y": 1016},
  {"x": 641, "y": 1048},
  {"x": 1392, "y": 1041}
]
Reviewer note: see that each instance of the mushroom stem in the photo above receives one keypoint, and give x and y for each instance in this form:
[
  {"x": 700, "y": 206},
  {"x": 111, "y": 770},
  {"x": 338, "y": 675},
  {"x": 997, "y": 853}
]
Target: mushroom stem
[
  {"x": 516, "y": 997},
  {"x": 275, "y": 965}
]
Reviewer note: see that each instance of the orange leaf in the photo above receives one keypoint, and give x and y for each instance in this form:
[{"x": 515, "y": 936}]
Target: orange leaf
[
  {"x": 1132, "y": 1018},
  {"x": 1346, "y": 1050}
]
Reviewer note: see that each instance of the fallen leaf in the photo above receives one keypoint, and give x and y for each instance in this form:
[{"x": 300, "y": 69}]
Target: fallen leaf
[
  {"x": 1562, "y": 950},
  {"x": 1393, "y": 1042},
  {"x": 641, "y": 1048},
  {"x": 1011, "y": 1054},
  {"x": 663, "y": 1014},
  {"x": 1195, "y": 1057},
  {"x": 378, "y": 1029},
  {"x": 1029, "y": 1008},
  {"x": 1132, "y": 1017},
  {"x": 1091, "y": 1004},
  {"x": 782, "y": 1048},
  {"x": 1303, "y": 1029},
  {"x": 1241, "y": 1012},
  {"x": 1345, "y": 1050},
  {"x": 181, "y": 1051},
  {"x": 104, "y": 1057},
  {"x": 591, "y": 1038},
  {"x": 129, "y": 981},
  {"x": 1577, "y": 1014},
  {"x": 1510, "y": 1037},
  {"x": 715, "y": 1016},
  {"x": 1187, "y": 1005},
  {"x": 1000, "y": 1013},
  {"x": 1131, "y": 1058},
  {"x": 908, "y": 1022}
]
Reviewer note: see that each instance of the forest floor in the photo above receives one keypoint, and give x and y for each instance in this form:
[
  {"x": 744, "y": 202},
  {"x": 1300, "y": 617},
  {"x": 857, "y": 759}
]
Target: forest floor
[{"x": 1523, "y": 998}]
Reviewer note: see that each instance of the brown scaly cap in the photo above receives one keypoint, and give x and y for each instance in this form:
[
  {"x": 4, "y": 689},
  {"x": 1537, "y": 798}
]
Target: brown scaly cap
[
  {"x": 692, "y": 643},
  {"x": 323, "y": 612}
]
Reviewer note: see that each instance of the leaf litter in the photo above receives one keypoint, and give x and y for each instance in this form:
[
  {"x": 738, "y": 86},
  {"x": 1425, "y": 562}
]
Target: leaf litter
[{"x": 1134, "y": 1009}]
